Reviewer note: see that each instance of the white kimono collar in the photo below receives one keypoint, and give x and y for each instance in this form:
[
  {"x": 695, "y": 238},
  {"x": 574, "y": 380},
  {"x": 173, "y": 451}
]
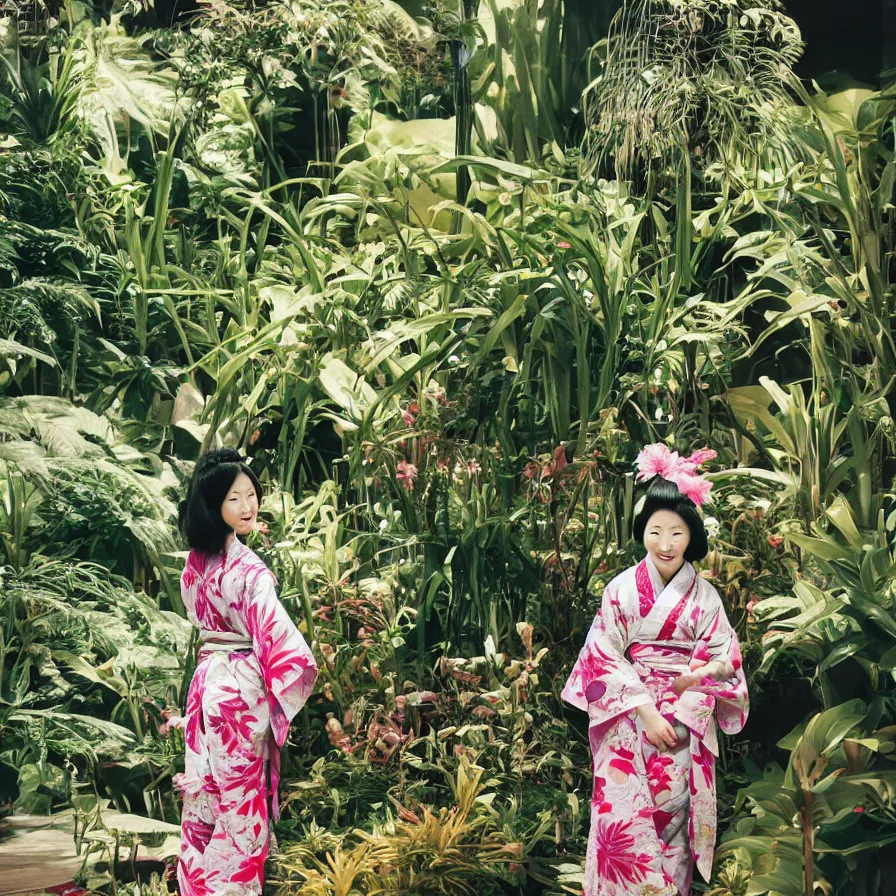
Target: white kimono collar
[{"x": 676, "y": 589}]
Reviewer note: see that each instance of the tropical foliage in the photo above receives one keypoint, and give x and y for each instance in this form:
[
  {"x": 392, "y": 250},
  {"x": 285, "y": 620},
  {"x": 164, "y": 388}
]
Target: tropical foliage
[{"x": 409, "y": 258}]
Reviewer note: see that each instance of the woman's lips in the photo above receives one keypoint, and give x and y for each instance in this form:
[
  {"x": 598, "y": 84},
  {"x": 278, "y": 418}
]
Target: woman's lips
[{"x": 666, "y": 558}]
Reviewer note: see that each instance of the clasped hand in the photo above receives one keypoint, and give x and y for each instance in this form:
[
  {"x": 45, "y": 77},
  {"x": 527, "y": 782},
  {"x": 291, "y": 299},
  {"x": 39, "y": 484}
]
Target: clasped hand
[
  {"x": 657, "y": 730},
  {"x": 700, "y": 669}
]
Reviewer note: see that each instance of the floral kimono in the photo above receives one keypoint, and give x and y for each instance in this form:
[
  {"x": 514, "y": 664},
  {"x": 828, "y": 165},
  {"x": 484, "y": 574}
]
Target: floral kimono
[
  {"x": 254, "y": 674},
  {"x": 653, "y": 814}
]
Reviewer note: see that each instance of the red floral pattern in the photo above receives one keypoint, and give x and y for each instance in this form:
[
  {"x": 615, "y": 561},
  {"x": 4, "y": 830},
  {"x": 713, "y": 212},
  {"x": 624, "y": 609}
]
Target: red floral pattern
[
  {"x": 658, "y": 778},
  {"x": 617, "y": 859}
]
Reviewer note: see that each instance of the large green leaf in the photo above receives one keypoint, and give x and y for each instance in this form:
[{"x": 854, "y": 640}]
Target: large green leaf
[
  {"x": 821, "y": 737},
  {"x": 349, "y": 390}
]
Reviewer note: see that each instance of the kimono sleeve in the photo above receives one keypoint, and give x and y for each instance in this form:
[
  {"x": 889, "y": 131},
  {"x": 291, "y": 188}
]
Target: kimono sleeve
[
  {"x": 717, "y": 641},
  {"x": 603, "y": 682},
  {"x": 287, "y": 664}
]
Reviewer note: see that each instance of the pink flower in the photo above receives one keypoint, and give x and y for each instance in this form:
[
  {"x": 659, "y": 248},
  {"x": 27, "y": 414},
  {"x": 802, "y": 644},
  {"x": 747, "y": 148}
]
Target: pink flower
[
  {"x": 657, "y": 460},
  {"x": 408, "y": 417},
  {"x": 694, "y": 487},
  {"x": 700, "y": 457},
  {"x": 406, "y": 475},
  {"x": 532, "y": 470},
  {"x": 473, "y": 467},
  {"x": 859, "y": 810},
  {"x": 564, "y": 245},
  {"x": 775, "y": 541}
]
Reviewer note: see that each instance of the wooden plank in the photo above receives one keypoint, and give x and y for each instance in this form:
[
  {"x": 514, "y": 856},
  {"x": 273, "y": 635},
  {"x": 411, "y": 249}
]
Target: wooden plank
[{"x": 36, "y": 853}]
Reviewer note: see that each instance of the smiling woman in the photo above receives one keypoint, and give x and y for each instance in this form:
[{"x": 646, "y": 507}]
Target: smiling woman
[
  {"x": 240, "y": 508},
  {"x": 667, "y": 539},
  {"x": 255, "y": 672},
  {"x": 660, "y": 661},
  {"x": 670, "y": 528},
  {"x": 222, "y": 500}
]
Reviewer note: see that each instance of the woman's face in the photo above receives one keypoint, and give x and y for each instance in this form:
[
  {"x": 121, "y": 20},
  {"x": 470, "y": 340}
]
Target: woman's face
[
  {"x": 240, "y": 507},
  {"x": 666, "y": 538}
]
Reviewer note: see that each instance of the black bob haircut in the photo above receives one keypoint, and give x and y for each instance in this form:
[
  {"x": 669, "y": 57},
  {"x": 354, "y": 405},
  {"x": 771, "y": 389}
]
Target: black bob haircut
[
  {"x": 664, "y": 495},
  {"x": 199, "y": 516}
]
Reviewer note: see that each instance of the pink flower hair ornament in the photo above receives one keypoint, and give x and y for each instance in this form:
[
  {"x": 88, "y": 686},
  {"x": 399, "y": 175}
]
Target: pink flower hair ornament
[{"x": 658, "y": 460}]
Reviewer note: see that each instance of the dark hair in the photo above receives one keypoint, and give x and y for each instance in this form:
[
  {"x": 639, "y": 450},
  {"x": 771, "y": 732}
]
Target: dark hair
[
  {"x": 199, "y": 516},
  {"x": 664, "y": 495}
]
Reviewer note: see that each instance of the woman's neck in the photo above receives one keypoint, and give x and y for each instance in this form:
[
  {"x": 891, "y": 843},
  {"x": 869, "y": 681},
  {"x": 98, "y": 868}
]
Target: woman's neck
[{"x": 664, "y": 579}]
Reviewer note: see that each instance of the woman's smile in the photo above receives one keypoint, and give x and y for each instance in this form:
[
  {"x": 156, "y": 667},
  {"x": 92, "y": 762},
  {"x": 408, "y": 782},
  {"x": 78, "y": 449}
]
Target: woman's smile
[
  {"x": 240, "y": 507},
  {"x": 666, "y": 538}
]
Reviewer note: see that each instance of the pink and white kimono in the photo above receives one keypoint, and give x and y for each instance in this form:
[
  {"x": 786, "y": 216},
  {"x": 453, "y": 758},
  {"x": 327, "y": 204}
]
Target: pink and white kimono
[
  {"x": 255, "y": 672},
  {"x": 653, "y": 814}
]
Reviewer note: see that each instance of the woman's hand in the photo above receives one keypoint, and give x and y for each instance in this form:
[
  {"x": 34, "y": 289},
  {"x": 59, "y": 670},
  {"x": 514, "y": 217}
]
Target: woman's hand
[
  {"x": 688, "y": 680},
  {"x": 656, "y": 729},
  {"x": 700, "y": 669},
  {"x": 172, "y": 721}
]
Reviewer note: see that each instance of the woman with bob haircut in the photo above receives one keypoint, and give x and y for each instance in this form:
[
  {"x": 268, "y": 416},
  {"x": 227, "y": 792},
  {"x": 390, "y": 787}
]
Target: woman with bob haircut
[
  {"x": 255, "y": 672},
  {"x": 660, "y": 664}
]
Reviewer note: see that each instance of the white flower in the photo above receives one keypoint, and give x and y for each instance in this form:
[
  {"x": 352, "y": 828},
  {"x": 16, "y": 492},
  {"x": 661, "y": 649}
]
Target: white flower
[
  {"x": 712, "y": 525},
  {"x": 384, "y": 524}
]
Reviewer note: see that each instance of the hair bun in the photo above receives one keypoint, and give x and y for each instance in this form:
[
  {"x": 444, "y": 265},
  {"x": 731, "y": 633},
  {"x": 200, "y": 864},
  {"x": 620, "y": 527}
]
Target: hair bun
[{"x": 219, "y": 456}]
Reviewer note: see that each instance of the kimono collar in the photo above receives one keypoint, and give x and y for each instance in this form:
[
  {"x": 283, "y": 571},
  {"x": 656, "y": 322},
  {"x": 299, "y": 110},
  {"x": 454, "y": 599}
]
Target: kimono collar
[
  {"x": 680, "y": 582},
  {"x": 236, "y": 547}
]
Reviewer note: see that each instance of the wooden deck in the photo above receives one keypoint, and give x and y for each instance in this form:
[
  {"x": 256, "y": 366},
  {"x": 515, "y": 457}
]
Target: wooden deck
[{"x": 40, "y": 853}]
